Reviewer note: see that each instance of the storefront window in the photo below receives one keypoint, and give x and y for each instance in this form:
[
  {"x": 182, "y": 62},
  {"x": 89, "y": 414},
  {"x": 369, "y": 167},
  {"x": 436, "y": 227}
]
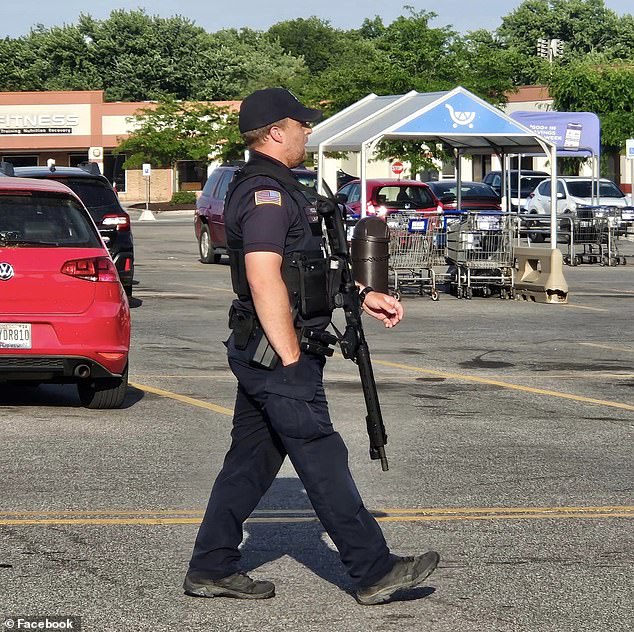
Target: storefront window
[
  {"x": 21, "y": 161},
  {"x": 74, "y": 160},
  {"x": 113, "y": 170},
  {"x": 191, "y": 174}
]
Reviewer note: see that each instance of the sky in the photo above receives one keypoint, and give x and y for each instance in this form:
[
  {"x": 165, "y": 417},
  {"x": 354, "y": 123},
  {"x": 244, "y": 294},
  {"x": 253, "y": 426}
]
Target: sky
[{"x": 213, "y": 15}]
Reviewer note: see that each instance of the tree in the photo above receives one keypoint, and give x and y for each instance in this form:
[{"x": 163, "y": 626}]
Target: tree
[
  {"x": 137, "y": 57},
  {"x": 606, "y": 88},
  {"x": 584, "y": 26},
  {"x": 233, "y": 63},
  {"x": 312, "y": 38},
  {"x": 417, "y": 153},
  {"x": 482, "y": 64},
  {"x": 176, "y": 130}
]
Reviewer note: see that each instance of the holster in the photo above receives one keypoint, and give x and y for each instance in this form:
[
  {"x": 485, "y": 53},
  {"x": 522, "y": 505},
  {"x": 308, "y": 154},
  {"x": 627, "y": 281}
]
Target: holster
[{"x": 243, "y": 325}]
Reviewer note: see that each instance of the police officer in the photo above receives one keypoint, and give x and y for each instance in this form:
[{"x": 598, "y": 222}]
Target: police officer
[{"x": 281, "y": 408}]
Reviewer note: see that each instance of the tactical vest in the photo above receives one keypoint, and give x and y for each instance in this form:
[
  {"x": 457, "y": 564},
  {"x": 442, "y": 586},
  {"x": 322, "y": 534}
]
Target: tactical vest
[{"x": 305, "y": 269}]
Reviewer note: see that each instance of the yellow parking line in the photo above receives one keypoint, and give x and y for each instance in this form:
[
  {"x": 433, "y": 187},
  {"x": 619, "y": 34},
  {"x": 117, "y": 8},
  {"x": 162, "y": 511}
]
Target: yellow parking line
[
  {"x": 592, "y": 309},
  {"x": 516, "y": 387},
  {"x": 610, "y": 347},
  {"x": 176, "y": 517},
  {"x": 392, "y": 511},
  {"x": 445, "y": 374},
  {"x": 183, "y": 398}
]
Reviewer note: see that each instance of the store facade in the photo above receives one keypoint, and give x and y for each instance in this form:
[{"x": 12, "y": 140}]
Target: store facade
[{"x": 74, "y": 127}]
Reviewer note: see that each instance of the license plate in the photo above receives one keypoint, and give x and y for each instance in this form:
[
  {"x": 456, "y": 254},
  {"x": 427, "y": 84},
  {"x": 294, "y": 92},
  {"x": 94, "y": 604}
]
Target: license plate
[{"x": 15, "y": 335}]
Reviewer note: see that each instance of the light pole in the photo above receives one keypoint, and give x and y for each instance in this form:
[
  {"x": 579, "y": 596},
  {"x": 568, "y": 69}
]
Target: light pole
[{"x": 550, "y": 48}]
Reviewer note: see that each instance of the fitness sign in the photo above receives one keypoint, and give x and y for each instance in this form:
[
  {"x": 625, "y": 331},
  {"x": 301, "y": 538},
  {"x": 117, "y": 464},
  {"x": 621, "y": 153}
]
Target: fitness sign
[{"x": 14, "y": 124}]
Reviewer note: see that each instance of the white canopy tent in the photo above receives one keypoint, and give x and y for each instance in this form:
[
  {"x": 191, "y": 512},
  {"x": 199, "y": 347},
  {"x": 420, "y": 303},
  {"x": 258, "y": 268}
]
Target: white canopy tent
[{"x": 456, "y": 118}]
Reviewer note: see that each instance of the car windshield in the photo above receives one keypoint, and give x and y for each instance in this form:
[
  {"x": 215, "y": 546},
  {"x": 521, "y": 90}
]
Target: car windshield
[
  {"x": 529, "y": 184},
  {"x": 97, "y": 195},
  {"x": 583, "y": 189},
  {"x": 467, "y": 190},
  {"x": 306, "y": 178},
  {"x": 404, "y": 196},
  {"x": 45, "y": 220}
]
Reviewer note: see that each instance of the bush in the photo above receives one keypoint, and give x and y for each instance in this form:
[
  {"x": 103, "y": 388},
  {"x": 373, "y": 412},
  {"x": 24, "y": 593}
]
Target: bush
[{"x": 183, "y": 197}]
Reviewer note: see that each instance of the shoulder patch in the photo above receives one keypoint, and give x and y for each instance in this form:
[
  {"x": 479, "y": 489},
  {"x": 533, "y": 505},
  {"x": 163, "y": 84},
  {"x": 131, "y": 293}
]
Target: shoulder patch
[{"x": 268, "y": 197}]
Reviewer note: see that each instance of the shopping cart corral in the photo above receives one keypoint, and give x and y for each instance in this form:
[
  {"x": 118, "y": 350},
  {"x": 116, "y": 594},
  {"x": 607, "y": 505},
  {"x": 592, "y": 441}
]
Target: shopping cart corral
[
  {"x": 592, "y": 233},
  {"x": 480, "y": 249}
]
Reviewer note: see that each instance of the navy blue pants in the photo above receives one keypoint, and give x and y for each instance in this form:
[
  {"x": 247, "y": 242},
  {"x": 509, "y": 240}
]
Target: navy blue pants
[{"x": 278, "y": 413}]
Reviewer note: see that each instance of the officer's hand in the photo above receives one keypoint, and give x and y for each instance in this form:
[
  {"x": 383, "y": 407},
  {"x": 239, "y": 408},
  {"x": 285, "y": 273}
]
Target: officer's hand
[{"x": 383, "y": 307}]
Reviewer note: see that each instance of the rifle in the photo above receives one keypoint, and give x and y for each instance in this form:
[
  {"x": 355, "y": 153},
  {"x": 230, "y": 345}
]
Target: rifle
[{"x": 352, "y": 342}]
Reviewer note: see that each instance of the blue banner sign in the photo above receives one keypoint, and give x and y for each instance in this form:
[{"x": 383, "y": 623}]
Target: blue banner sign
[{"x": 573, "y": 133}]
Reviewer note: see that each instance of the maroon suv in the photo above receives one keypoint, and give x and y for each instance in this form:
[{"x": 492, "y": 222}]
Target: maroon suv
[{"x": 209, "y": 220}]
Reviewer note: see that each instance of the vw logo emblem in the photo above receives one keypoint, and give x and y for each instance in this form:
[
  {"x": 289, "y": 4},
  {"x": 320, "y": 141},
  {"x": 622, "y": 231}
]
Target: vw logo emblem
[{"x": 6, "y": 271}]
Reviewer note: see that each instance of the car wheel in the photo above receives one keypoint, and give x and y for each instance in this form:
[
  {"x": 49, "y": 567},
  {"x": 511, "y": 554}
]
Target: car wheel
[
  {"x": 205, "y": 247},
  {"x": 103, "y": 393}
]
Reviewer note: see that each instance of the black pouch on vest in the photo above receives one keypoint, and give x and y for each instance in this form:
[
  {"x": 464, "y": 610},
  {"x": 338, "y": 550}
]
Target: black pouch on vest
[
  {"x": 242, "y": 324},
  {"x": 314, "y": 298}
]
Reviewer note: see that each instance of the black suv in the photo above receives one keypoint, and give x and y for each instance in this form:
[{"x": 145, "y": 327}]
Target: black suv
[
  {"x": 529, "y": 181},
  {"x": 209, "y": 220},
  {"x": 98, "y": 196}
]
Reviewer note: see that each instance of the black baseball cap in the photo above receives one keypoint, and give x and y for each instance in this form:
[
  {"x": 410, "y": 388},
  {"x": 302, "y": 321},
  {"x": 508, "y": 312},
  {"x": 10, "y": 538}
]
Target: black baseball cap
[{"x": 263, "y": 107}]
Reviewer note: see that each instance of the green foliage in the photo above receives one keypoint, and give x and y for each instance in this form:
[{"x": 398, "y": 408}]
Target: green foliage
[
  {"x": 584, "y": 26},
  {"x": 483, "y": 65},
  {"x": 233, "y": 63},
  {"x": 177, "y": 130},
  {"x": 183, "y": 197},
  {"x": 607, "y": 89},
  {"x": 418, "y": 154},
  {"x": 137, "y": 57},
  {"x": 313, "y": 39}
]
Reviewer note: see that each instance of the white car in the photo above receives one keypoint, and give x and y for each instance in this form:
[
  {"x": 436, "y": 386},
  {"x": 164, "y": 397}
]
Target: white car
[{"x": 574, "y": 191}]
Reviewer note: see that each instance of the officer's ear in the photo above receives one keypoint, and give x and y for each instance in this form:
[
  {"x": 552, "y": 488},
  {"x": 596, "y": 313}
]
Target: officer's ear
[
  {"x": 276, "y": 134},
  {"x": 276, "y": 131}
]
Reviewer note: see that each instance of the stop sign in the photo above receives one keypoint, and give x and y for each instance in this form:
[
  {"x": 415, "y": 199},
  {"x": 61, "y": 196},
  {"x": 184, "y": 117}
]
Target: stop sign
[{"x": 397, "y": 168}]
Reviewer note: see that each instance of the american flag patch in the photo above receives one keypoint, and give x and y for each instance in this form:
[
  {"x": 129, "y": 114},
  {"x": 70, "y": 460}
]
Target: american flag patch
[{"x": 268, "y": 197}]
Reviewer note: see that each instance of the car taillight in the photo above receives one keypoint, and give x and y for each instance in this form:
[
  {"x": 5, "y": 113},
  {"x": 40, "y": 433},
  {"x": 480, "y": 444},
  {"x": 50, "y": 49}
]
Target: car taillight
[
  {"x": 379, "y": 211},
  {"x": 94, "y": 269},
  {"x": 120, "y": 222}
]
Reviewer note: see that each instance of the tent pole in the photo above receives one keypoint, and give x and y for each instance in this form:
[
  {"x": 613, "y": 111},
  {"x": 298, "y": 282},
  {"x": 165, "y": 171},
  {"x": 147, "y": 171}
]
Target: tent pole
[
  {"x": 363, "y": 174},
  {"x": 321, "y": 167},
  {"x": 458, "y": 160},
  {"x": 553, "y": 197}
]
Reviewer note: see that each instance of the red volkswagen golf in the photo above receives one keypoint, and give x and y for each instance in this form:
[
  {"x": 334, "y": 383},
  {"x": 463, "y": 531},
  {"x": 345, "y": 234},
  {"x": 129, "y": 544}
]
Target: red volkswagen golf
[{"x": 64, "y": 316}]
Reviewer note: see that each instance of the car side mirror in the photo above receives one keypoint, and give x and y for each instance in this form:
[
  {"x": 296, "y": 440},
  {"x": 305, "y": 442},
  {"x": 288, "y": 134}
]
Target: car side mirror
[
  {"x": 341, "y": 198},
  {"x": 560, "y": 195}
]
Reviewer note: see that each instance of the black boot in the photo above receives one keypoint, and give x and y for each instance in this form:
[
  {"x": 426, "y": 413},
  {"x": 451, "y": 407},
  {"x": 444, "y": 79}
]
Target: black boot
[
  {"x": 407, "y": 572},
  {"x": 238, "y": 586}
]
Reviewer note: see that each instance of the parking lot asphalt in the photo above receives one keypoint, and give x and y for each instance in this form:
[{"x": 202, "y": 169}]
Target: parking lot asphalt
[{"x": 510, "y": 445}]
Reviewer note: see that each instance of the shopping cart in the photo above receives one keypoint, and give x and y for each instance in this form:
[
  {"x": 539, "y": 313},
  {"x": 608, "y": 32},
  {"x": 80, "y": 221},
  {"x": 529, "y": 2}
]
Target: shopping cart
[
  {"x": 480, "y": 247},
  {"x": 592, "y": 234},
  {"x": 410, "y": 248}
]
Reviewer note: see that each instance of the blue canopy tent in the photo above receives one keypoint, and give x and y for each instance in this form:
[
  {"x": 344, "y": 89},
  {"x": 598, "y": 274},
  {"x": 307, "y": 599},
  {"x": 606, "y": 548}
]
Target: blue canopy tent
[{"x": 456, "y": 118}]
